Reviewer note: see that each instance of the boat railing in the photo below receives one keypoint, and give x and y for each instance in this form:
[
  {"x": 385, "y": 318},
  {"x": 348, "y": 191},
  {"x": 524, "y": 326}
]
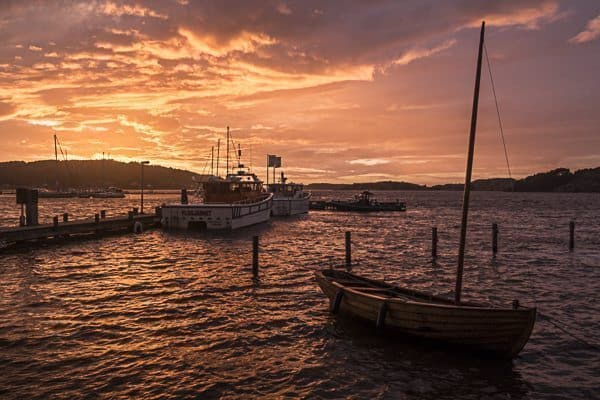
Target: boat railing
[{"x": 251, "y": 201}]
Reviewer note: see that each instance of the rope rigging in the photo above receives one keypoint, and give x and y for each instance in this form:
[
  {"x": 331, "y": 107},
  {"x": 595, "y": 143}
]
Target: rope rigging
[{"x": 487, "y": 59}]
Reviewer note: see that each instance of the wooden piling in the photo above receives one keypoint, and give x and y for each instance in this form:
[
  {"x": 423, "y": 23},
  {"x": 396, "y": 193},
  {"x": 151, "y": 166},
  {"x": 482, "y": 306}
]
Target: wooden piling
[
  {"x": 103, "y": 214},
  {"x": 65, "y": 217},
  {"x": 571, "y": 235},
  {"x": 348, "y": 251},
  {"x": 97, "y": 218},
  {"x": 255, "y": 256},
  {"x": 55, "y": 221},
  {"x": 494, "y": 239},
  {"x": 434, "y": 243}
]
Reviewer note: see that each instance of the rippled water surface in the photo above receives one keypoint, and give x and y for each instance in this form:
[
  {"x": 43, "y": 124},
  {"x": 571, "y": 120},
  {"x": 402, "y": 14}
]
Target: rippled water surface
[{"x": 178, "y": 315}]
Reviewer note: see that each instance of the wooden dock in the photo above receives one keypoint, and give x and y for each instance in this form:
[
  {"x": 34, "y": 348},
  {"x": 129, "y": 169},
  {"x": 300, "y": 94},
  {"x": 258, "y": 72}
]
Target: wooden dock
[{"x": 132, "y": 222}]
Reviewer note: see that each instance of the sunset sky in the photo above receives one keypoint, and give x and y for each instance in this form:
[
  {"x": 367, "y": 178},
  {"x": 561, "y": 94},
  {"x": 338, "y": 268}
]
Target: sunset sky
[{"x": 344, "y": 91}]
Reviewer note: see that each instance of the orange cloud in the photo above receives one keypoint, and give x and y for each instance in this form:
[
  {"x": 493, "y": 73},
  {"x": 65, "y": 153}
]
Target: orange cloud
[{"x": 591, "y": 32}]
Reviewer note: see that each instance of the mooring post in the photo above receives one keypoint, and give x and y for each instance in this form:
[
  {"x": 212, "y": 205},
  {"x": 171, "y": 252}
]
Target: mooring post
[
  {"x": 184, "y": 196},
  {"x": 55, "y": 221},
  {"x": 97, "y": 218},
  {"x": 571, "y": 235},
  {"x": 255, "y": 256},
  {"x": 103, "y": 214},
  {"x": 348, "y": 251},
  {"x": 434, "y": 243},
  {"x": 135, "y": 211},
  {"x": 65, "y": 217},
  {"x": 494, "y": 239}
]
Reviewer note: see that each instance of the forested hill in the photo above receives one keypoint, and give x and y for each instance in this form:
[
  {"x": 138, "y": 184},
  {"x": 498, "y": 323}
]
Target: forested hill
[
  {"x": 92, "y": 173},
  {"x": 102, "y": 173},
  {"x": 557, "y": 180}
]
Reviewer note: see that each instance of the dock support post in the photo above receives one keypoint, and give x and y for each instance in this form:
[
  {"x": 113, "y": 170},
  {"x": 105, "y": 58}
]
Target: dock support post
[
  {"x": 255, "y": 256},
  {"x": 97, "y": 218},
  {"x": 55, "y": 221},
  {"x": 571, "y": 235},
  {"x": 103, "y": 214},
  {"x": 65, "y": 217},
  {"x": 494, "y": 239},
  {"x": 434, "y": 243},
  {"x": 348, "y": 251},
  {"x": 184, "y": 196}
]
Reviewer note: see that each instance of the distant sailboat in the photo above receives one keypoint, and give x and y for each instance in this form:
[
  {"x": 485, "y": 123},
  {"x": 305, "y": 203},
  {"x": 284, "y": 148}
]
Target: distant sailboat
[
  {"x": 58, "y": 193},
  {"x": 502, "y": 331}
]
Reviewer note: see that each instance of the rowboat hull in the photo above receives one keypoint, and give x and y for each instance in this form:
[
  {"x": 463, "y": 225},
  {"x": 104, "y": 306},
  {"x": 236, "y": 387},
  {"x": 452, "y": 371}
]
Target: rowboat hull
[{"x": 501, "y": 331}]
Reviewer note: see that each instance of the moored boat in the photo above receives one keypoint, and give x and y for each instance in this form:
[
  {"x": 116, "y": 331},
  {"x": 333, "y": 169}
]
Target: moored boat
[
  {"x": 56, "y": 194},
  {"x": 501, "y": 331},
  {"x": 289, "y": 198},
  {"x": 234, "y": 202},
  {"x": 362, "y": 202},
  {"x": 109, "y": 193}
]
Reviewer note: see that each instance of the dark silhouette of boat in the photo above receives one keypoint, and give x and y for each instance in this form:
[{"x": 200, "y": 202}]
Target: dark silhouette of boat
[{"x": 362, "y": 202}]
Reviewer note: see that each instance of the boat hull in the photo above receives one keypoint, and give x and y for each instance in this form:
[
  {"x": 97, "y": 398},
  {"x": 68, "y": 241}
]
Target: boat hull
[
  {"x": 501, "y": 331},
  {"x": 286, "y": 206},
  {"x": 354, "y": 207},
  {"x": 216, "y": 216}
]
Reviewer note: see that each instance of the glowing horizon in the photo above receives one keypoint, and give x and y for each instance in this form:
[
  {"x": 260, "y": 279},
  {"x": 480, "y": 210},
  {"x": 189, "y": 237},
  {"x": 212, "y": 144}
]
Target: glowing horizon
[{"x": 346, "y": 94}]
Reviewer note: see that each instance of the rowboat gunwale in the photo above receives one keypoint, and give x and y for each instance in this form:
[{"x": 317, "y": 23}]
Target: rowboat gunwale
[{"x": 450, "y": 305}]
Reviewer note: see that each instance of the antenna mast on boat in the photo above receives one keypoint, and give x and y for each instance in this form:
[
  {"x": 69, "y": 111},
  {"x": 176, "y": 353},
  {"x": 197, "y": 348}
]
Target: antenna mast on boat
[
  {"x": 212, "y": 160},
  {"x": 218, "y": 154},
  {"x": 467, "y": 191},
  {"x": 56, "y": 159},
  {"x": 239, "y": 156},
  {"x": 227, "y": 152}
]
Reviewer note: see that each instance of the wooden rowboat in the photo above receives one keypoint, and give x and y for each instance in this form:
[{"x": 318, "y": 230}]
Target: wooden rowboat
[{"x": 499, "y": 331}]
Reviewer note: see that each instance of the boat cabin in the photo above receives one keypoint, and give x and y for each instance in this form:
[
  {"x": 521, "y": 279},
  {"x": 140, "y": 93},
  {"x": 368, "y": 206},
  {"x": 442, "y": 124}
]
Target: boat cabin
[
  {"x": 286, "y": 189},
  {"x": 239, "y": 187},
  {"x": 365, "y": 198}
]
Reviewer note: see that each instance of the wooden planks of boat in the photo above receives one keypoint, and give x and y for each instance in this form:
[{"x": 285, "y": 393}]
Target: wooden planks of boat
[{"x": 500, "y": 331}]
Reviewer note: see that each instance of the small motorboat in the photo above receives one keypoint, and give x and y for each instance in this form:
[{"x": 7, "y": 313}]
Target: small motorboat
[
  {"x": 289, "y": 198},
  {"x": 362, "y": 202}
]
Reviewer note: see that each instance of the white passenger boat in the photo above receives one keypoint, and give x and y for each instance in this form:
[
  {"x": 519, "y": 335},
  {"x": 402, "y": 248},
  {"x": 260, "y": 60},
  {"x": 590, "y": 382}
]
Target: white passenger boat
[
  {"x": 237, "y": 201},
  {"x": 289, "y": 198}
]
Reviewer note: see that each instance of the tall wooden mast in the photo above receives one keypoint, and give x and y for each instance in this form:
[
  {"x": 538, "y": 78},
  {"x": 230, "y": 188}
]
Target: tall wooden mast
[{"x": 467, "y": 191}]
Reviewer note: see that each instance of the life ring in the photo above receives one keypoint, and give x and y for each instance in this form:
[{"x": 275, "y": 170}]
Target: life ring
[{"x": 138, "y": 227}]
